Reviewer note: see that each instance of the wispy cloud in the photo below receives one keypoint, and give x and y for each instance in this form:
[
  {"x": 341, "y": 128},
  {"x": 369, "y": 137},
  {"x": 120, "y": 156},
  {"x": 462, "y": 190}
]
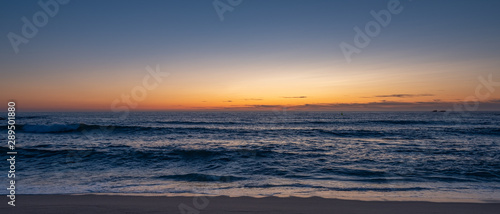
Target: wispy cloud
[
  {"x": 264, "y": 106},
  {"x": 494, "y": 101},
  {"x": 493, "y": 104},
  {"x": 253, "y": 99},
  {"x": 298, "y": 97},
  {"x": 405, "y": 95}
]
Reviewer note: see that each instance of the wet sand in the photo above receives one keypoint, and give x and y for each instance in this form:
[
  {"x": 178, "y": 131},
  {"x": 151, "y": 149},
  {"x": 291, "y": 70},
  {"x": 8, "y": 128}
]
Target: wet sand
[{"x": 164, "y": 204}]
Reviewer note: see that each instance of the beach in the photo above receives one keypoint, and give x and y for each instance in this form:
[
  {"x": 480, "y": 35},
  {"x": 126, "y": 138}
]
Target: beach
[{"x": 162, "y": 204}]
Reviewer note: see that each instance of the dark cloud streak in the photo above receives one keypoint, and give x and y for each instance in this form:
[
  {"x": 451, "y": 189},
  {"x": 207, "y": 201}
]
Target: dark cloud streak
[
  {"x": 298, "y": 97},
  {"x": 404, "y": 95}
]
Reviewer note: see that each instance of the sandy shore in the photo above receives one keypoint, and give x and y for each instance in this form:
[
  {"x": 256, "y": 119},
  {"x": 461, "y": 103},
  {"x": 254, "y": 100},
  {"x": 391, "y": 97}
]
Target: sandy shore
[{"x": 162, "y": 204}]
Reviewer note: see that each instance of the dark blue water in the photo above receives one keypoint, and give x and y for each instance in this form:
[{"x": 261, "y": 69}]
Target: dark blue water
[{"x": 357, "y": 154}]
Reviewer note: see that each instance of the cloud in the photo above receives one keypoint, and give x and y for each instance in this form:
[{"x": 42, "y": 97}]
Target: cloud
[
  {"x": 494, "y": 101},
  {"x": 381, "y": 105},
  {"x": 299, "y": 97},
  {"x": 393, "y": 105},
  {"x": 372, "y": 106},
  {"x": 253, "y": 99},
  {"x": 264, "y": 106},
  {"x": 228, "y": 101},
  {"x": 405, "y": 95}
]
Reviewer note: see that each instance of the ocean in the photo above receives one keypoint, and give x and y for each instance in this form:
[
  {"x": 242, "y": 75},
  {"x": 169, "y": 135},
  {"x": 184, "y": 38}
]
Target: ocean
[{"x": 411, "y": 155}]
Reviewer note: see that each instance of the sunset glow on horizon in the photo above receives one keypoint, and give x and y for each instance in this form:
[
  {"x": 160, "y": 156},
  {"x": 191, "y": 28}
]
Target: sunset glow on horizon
[{"x": 259, "y": 58}]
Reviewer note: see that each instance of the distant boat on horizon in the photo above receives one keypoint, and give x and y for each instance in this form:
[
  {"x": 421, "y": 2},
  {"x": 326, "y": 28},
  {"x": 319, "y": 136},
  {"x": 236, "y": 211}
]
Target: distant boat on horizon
[{"x": 438, "y": 111}]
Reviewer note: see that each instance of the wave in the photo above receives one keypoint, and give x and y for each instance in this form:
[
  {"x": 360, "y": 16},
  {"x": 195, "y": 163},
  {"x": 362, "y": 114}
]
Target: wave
[
  {"x": 205, "y": 128},
  {"x": 341, "y": 189},
  {"x": 116, "y": 153},
  {"x": 68, "y": 128},
  {"x": 31, "y": 117},
  {"x": 312, "y": 122},
  {"x": 354, "y": 133},
  {"x": 405, "y": 122},
  {"x": 197, "y": 123},
  {"x": 65, "y": 128},
  {"x": 474, "y": 131},
  {"x": 253, "y": 161},
  {"x": 353, "y": 172},
  {"x": 201, "y": 177},
  {"x": 54, "y": 128},
  {"x": 24, "y": 117}
]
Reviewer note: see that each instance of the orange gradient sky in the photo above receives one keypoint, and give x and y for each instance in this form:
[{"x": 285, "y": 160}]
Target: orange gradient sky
[{"x": 259, "y": 87}]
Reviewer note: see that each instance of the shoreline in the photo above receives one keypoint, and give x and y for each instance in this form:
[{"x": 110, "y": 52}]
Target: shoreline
[
  {"x": 107, "y": 203},
  {"x": 353, "y": 198}
]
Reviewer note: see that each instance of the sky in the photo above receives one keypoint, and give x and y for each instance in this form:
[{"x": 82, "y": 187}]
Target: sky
[{"x": 263, "y": 55}]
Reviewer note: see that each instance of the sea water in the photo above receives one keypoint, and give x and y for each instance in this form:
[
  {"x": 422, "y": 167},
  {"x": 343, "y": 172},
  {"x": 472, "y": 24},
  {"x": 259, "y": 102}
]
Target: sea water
[{"x": 416, "y": 155}]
